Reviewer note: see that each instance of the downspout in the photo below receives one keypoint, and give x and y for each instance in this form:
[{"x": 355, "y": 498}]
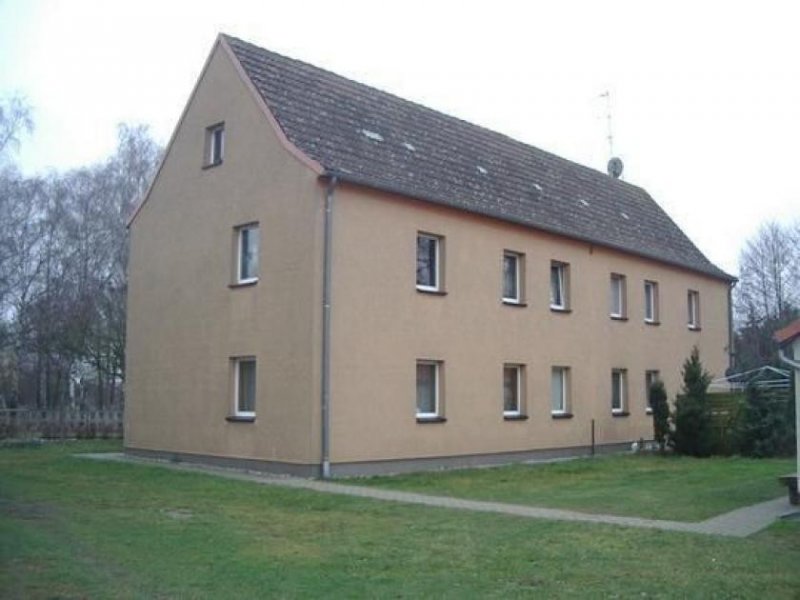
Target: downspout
[
  {"x": 731, "y": 347},
  {"x": 796, "y": 366},
  {"x": 326, "y": 329}
]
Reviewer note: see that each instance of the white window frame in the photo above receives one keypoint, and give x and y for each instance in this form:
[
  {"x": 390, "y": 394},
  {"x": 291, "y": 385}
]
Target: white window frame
[
  {"x": 237, "y": 363},
  {"x": 562, "y": 285},
  {"x": 436, "y": 390},
  {"x": 517, "y": 276},
  {"x": 437, "y": 263},
  {"x": 564, "y": 375},
  {"x": 211, "y": 144},
  {"x": 517, "y": 368},
  {"x": 693, "y": 308},
  {"x": 623, "y": 391},
  {"x": 651, "y": 306},
  {"x": 656, "y": 375},
  {"x": 617, "y": 283},
  {"x": 240, "y": 255}
]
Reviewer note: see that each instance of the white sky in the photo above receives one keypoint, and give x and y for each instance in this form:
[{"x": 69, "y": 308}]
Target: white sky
[{"x": 705, "y": 96}]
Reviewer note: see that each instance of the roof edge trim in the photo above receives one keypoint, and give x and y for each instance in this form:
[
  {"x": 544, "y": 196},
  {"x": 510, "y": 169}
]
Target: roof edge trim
[
  {"x": 354, "y": 180},
  {"x": 262, "y": 104},
  {"x": 140, "y": 204}
]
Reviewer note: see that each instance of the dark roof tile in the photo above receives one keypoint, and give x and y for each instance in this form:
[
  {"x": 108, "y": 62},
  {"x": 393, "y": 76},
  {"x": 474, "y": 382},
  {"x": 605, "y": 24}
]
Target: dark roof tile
[{"x": 326, "y": 115}]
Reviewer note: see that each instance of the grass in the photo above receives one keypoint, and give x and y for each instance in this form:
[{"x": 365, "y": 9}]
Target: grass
[
  {"x": 74, "y": 528},
  {"x": 653, "y": 487}
]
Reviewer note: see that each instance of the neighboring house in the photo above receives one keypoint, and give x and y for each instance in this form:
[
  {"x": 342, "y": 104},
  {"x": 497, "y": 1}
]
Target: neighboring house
[{"x": 325, "y": 278}]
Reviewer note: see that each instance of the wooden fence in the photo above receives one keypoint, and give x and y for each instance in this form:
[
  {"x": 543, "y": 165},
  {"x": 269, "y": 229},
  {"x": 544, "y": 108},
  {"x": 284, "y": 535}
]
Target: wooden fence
[{"x": 60, "y": 424}]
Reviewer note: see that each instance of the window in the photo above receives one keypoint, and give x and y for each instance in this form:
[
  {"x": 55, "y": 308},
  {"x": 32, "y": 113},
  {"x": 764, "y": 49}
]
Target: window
[
  {"x": 247, "y": 253},
  {"x": 428, "y": 389},
  {"x": 650, "y": 302},
  {"x": 618, "y": 308},
  {"x": 428, "y": 262},
  {"x": 512, "y": 390},
  {"x": 244, "y": 387},
  {"x": 693, "y": 299},
  {"x": 512, "y": 277},
  {"x": 215, "y": 144},
  {"x": 650, "y": 377},
  {"x": 559, "y": 279},
  {"x": 619, "y": 391},
  {"x": 559, "y": 381}
]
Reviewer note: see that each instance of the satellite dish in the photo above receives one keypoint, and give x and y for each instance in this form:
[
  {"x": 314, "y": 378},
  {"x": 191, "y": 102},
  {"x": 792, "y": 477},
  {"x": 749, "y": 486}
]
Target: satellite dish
[{"x": 615, "y": 167}]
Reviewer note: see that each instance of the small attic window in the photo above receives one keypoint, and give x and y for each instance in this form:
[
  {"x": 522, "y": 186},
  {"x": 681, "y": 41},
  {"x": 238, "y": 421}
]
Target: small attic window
[
  {"x": 372, "y": 135},
  {"x": 538, "y": 187},
  {"x": 624, "y": 216},
  {"x": 409, "y": 147},
  {"x": 215, "y": 145},
  {"x": 584, "y": 202},
  {"x": 482, "y": 170}
]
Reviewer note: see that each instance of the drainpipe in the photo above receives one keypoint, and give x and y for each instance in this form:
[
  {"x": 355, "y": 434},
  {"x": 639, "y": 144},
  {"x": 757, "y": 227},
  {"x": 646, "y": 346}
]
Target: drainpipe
[
  {"x": 796, "y": 365},
  {"x": 326, "y": 329},
  {"x": 731, "y": 348}
]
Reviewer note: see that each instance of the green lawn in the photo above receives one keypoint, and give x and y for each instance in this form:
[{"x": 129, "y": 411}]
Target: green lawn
[
  {"x": 75, "y": 528},
  {"x": 653, "y": 487}
]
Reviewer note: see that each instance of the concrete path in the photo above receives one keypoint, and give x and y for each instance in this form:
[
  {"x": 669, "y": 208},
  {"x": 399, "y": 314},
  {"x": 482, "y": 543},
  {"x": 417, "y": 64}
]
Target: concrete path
[{"x": 738, "y": 523}]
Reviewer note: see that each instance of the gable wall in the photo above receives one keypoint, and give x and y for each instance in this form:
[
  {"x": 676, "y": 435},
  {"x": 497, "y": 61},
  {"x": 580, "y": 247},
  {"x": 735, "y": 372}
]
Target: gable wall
[{"x": 185, "y": 322}]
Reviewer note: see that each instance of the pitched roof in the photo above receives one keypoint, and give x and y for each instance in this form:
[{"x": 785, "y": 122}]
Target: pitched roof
[
  {"x": 373, "y": 138},
  {"x": 788, "y": 333}
]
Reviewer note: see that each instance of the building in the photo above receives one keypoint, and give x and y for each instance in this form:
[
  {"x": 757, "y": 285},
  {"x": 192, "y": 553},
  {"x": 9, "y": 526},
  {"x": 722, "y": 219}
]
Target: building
[{"x": 327, "y": 278}]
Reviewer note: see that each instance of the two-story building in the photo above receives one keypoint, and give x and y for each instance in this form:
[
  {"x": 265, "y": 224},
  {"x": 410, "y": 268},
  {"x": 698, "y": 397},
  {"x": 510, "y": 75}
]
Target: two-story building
[{"x": 326, "y": 278}]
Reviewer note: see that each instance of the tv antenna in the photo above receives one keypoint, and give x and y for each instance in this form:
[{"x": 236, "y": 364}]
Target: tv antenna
[
  {"x": 610, "y": 135},
  {"x": 614, "y": 166}
]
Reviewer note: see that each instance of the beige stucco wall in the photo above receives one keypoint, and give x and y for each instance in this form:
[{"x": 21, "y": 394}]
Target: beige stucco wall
[
  {"x": 184, "y": 323},
  {"x": 382, "y": 325}
]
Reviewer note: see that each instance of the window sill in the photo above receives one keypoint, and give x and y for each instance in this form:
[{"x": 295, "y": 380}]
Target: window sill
[
  {"x": 211, "y": 165},
  {"x": 431, "y": 292},
  {"x": 240, "y": 419},
  {"x": 242, "y": 284},
  {"x": 620, "y": 413},
  {"x": 515, "y": 417},
  {"x": 431, "y": 420},
  {"x": 618, "y": 318},
  {"x": 561, "y": 415},
  {"x": 653, "y": 323},
  {"x": 693, "y": 327},
  {"x": 514, "y": 303},
  {"x": 560, "y": 309},
  {"x": 649, "y": 411}
]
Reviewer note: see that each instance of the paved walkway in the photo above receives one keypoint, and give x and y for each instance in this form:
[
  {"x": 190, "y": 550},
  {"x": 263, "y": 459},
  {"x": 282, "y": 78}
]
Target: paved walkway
[{"x": 738, "y": 523}]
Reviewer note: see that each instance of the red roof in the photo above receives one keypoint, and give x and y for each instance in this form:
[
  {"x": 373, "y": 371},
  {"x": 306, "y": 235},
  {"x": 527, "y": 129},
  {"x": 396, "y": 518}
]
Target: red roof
[{"x": 788, "y": 333}]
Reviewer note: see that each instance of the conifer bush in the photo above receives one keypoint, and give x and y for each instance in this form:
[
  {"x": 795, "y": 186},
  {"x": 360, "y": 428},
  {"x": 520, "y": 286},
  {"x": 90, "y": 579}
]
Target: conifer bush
[{"x": 692, "y": 434}]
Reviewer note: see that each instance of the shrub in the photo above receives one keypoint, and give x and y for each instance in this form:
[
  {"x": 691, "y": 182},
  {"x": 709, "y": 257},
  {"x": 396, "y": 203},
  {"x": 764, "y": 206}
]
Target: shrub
[
  {"x": 766, "y": 427},
  {"x": 660, "y": 407},
  {"x": 692, "y": 417}
]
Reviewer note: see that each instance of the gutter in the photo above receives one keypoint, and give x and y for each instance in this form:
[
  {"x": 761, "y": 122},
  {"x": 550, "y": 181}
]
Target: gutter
[
  {"x": 326, "y": 329},
  {"x": 717, "y": 274}
]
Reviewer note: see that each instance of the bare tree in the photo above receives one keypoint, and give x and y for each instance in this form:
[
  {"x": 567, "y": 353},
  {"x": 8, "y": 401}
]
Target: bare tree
[
  {"x": 768, "y": 293},
  {"x": 769, "y": 279},
  {"x": 15, "y": 119},
  {"x": 63, "y": 260}
]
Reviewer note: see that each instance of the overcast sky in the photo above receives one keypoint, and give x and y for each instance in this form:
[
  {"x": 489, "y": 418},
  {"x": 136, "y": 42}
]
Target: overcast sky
[{"x": 705, "y": 96}]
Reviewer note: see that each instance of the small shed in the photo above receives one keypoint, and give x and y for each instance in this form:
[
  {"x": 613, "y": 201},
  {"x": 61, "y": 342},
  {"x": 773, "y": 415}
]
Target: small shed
[{"x": 788, "y": 340}]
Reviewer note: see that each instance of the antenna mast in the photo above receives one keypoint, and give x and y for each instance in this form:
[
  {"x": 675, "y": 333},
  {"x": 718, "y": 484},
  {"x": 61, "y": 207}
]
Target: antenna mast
[
  {"x": 615, "y": 165},
  {"x": 610, "y": 136}
]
